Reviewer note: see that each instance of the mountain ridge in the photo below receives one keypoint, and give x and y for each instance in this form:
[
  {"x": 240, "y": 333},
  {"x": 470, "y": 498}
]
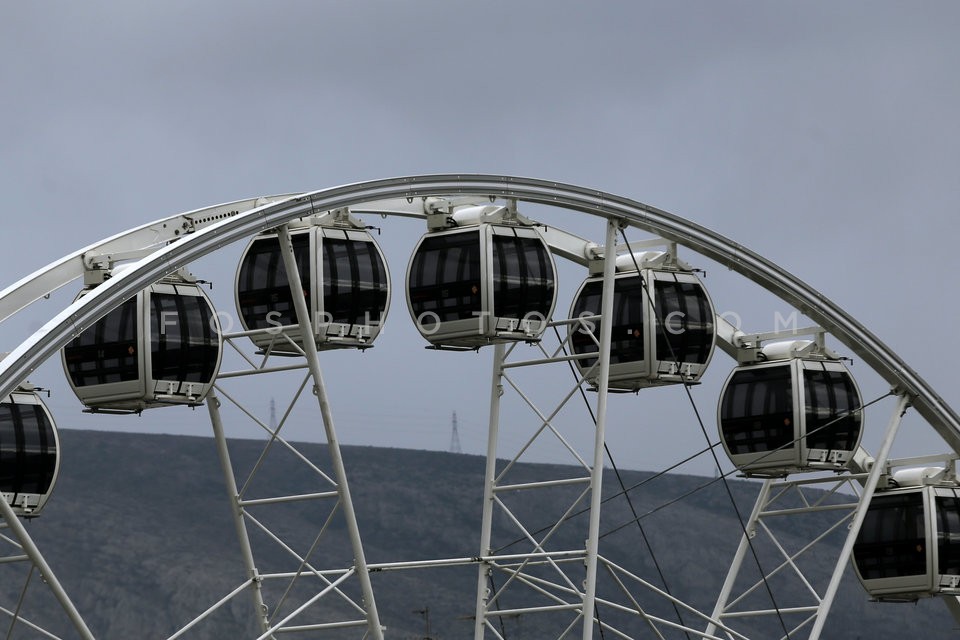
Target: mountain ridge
[{"x": 139, "y": 531}]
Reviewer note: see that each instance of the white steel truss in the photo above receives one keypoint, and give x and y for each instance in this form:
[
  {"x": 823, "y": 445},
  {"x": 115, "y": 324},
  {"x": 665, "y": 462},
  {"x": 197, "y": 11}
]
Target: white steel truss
[
  {"x": 524, "y": 568},
  {"x": 781, "y": 499},
  {"x": 303, "y": 585},
  {"x": 12, "y": 618},
  {"x": 26, "y": 551}
]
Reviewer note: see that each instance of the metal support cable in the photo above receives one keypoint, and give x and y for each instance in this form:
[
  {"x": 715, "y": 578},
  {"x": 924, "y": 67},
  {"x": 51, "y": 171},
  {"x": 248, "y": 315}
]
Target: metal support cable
[
  {"x": 632, "y": 487},
  {"x": 623, "y": 491},
  {"x": 697, "y": 489},
  {"x": 706, "y": 437},
  {"x": 732, "y": 471}
]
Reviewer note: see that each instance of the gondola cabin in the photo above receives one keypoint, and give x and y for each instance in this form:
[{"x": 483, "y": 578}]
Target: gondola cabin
[
  {"x": 662, "y": 329},
  {"x": 159, "y": 348},
  {"x": 345, "y": 282},
  {"x": 480, "y": 284},
  {"x": 790, "y": 414},
  {"x": 908, "y": 546},
  {"x": 29, "y": 451}
]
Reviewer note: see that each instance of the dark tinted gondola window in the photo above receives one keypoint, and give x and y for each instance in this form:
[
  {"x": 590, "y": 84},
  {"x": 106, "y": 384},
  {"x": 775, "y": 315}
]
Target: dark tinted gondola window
[
  {"x": 948, "y": 534},
  {"x": 28, "y": 454},
  {"x": 685, "y": 322},
  {"x": 627, "y": 339},
  {"x": 106, "y": 352},
  {"x": 263, "y": 291},
  {"x": 892, "y": 539},
  {"x": 445, "y": 277},
  {"x": 354, "y": 282},
  {"x": 832, "y": 419},
  {"x": 11, "y": 445},
  {"x": 522, "y": 278},
  {"x": 756, "y": 413},
  {"x": 184, "y": 341}
]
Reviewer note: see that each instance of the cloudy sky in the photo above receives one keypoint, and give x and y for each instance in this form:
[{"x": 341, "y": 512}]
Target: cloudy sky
[{"x": 822, "y": 135}]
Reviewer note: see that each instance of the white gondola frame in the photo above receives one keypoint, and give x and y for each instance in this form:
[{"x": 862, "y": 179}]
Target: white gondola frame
[
  {"x": 29, "y": 504},
  {"x": 931, "y": 582},
  {"x": 797, "y": 457},
  {"x": 486, "y": 327},
  {"x": 327, "y": 334},
  {"x": 650, "y": 370},
  {"x": 144, "y": 391}
]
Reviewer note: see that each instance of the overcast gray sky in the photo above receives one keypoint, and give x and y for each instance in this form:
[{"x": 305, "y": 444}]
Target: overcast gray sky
[{"x": 823, "y": 135}]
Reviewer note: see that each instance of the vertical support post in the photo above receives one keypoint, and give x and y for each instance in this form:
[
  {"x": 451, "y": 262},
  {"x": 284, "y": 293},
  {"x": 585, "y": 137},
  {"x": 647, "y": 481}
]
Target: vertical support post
[
  {"x": 374, "y": 629},
  {"x": 750, "y": 529},
  {"x": 873, "y": 477},
  {"x": 246, "y": 551},
  {"x": 33, "y": 552},
  {"x": 869, "y": 487},
  {"x": 596, "y": 472},
  {"x": 953, "y": 605},
  {"x": 490, "y": 477}
]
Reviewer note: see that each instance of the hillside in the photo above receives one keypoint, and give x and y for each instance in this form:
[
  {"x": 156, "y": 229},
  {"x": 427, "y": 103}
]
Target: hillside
[{"x": 138, "y": 531}]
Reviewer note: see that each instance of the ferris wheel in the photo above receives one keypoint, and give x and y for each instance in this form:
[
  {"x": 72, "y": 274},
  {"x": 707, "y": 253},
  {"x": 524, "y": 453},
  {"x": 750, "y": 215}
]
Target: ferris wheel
[{"x": 143, "y": 335}]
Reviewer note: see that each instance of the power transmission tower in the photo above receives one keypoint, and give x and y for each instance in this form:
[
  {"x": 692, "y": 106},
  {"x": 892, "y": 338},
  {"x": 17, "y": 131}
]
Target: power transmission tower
[
  {"x": 425, "y": 612},
  {"x": 455, "y": 436}
]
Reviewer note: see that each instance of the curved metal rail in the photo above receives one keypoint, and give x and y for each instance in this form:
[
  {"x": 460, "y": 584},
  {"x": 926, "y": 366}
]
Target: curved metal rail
[
  {"x": 128, "y": 244},
  {"x": 247, "y": 218}
]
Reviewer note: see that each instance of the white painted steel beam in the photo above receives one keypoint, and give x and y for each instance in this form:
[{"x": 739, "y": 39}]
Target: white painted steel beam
[{"x": 374, "y": 629}]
